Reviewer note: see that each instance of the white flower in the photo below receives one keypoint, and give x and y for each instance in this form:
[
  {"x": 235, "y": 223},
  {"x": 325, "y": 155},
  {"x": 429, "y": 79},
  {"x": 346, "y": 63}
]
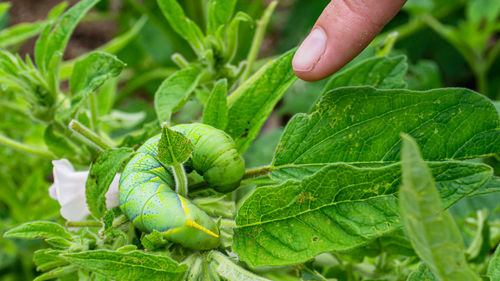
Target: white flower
[{"x": 69, "y": 190}]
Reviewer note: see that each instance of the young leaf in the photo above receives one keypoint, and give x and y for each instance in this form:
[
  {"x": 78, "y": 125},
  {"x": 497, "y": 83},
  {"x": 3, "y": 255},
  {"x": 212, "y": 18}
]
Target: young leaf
[
  {"x": 38, "y": 230},
  {"x": 494, "y": 266},
  {"x": 52, "y": 42},
  {"x": 91, "y": 71},
  {"x": 215, "y": 112},
  {"x": 48, "y": 259},
  {"x": 4, "y": 7},
  {"x": 175, "y": 91},
  {"x": 19, "y": 33},
  {"x": 379, "y": 72},
  {"x": 102, "y": 172},
  {"x": 421, "y": 274},
  {"x": 232, "y": 34},
  {"x": 251, "y": 104},
  {"x": 229, "y": 270},
  {"x": 131, "y": 266},
  {"x": 57, "y": 272},
  {"x": 431, "y": 229},
  {"x": 338, "y": 208},
  {"x": 185, "y": 27},
  {"x": 219, "y": 13},
  {"x": 362, "y": 125},
  {"x": 174, "y": 147}
]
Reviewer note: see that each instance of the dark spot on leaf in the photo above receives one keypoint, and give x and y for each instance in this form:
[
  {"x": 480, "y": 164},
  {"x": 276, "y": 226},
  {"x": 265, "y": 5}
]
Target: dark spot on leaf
[{"x": 315, "y": 238}]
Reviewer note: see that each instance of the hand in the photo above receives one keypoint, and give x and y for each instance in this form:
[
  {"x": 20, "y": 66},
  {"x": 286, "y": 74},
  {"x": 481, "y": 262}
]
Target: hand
[{"x": 342, "y": 31}]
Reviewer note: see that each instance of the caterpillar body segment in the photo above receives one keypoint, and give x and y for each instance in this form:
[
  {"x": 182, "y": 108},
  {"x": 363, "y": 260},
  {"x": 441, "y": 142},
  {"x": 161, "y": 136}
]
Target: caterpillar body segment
[
  {"x": 215, "y": 156},
  {"x": 147, "y": 195}
]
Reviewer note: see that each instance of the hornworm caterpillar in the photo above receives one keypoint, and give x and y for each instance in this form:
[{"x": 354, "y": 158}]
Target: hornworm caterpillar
[{"x": 147, "y": 195}]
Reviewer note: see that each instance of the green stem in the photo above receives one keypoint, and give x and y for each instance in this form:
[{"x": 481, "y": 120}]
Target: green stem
[
  {"x": 89, "y": 135},
  {"x": 257, "y": 39},
  {"x": 26, "y": 148},
  {"x": 253, "y": 173},
  {"x": 180, "y": 179},
  {"x": 83, "y": 224},
  {"x": 315, "y": 273}
]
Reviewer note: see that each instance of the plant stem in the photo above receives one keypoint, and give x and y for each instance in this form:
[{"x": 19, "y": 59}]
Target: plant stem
[
  {"x": 256, "y": 172},
  {"x": 26, "y": 148},
  {"x": 89, "y": 135},
  {"x": 257, "y": 39},
  {"x": 180, "y": 180},
  {"x": 84, "y": 224}
]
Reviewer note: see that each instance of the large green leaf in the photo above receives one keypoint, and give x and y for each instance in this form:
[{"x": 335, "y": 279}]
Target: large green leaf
[
  {"x": 175, "y": 91},
  {"x": 431, "y": 229},
  {"x": 338, "y": 208},
  {"x": 361, "y": 125},
  {"x": 102, "y": 172},
  {"x": 37, "y": 230},
  {"x": 252, "y": 103},
  {"x": 91, "y": 72},
  {"x": 379, "y": 72},
  {"x": 128, "y": 266}
]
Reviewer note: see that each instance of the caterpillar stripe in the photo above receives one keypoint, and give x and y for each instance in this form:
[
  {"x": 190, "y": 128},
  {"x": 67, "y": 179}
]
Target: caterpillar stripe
[{"x": 147, "y": 195}]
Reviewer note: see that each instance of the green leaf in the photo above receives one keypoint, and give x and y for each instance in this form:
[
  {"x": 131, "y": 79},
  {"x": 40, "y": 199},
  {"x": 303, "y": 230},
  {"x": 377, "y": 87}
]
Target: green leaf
[
  {"x": 48, "y": 259},
  {"x": 361, "y": 125},
  {"x": 432, "y": 230},
  {"x": 232, "y": 34},
  {"x": 19, "y": 33},
  {"x": 185, "y": 27},
  {"x": 229, "y": 270},
  {"x": 479, "y": 10},
  {"x": 38, "y": 230},
  {"x": 154, "y": 240},
  {"x": 338, "y": 208},
  {"x": 102, "y": 172},
  {"x": 379, "y": 72},
  {"x": 91, "y": 72},
  {"x": 131, "y": 266},
  {"x": 479, "y": 248},
  {"x": 494, "y": 266},
  {"x": 57, "y": 272},
  {"x": 52, "y": 42},
  {"x": 252, "y": 103},
  {"x": 219, "y": 13},
  {"x": 215, "y": 112},
  {"x": 173, "y": 148},
  {"x": 175, "y": 91},
  {"x": 421, "y": 274}
]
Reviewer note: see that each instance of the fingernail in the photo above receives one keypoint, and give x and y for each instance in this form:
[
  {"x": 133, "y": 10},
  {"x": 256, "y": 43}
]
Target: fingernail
[{"x": 310, "y": 51}]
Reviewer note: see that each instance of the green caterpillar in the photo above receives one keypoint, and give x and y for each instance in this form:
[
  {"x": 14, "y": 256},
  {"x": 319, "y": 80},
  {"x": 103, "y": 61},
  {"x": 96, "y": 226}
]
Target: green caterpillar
[{"x": 147, "y": 195}]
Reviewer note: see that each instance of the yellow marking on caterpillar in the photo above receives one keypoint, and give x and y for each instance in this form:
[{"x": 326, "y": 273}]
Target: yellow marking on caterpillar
[
  {"x": 190, "y": 223},
  {"x": 156, "y": 169},
  {"x": 186, "y": 210},
  {"x": 153, "y": 179},
  {"x": 172, "y": 231}
]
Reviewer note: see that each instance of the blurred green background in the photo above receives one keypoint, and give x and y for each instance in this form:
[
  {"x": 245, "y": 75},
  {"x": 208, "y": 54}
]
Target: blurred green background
[{"x": 448, "y": 43}]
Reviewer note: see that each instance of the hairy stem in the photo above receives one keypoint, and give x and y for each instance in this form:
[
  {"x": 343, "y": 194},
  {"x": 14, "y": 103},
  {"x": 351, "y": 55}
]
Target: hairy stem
[
  {"x": 84, "y": 224},
  {"x": 26, "y": 148},
  {"x": 257, "y": 39},
  {"x": 89, "y": 135},
  {"x": 256, "y": 172}
]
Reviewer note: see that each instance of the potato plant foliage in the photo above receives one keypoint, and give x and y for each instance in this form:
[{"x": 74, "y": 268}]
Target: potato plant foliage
[{"x": 387, "y": 175}]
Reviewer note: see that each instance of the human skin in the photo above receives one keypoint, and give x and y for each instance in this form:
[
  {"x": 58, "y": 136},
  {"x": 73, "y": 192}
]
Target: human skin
[{"x": 342, "y": 31}]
